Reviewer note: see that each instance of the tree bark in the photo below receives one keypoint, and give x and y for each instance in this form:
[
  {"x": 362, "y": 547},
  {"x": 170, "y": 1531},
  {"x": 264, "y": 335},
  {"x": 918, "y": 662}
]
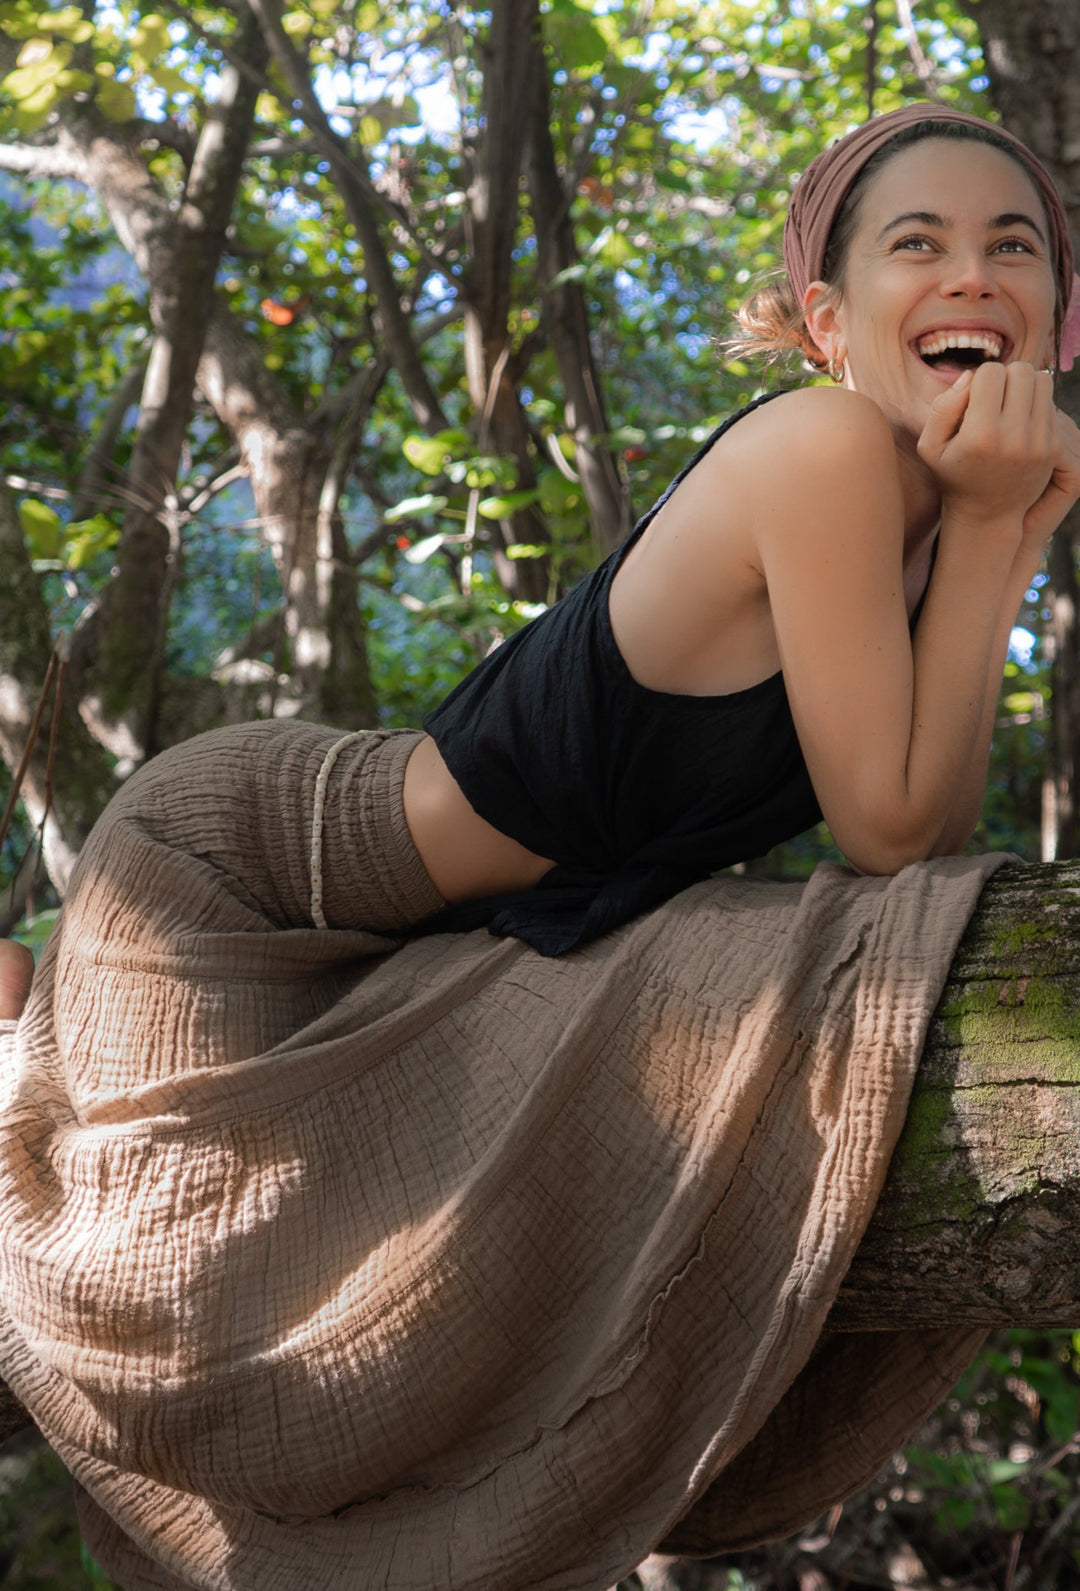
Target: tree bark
[
  {"x": 567, "y": 321},
  {"x": 125, "y": 675},
  {"x": 82, "y": 779},
  {"x": 491, "y": 224},
  {"x": 1032, "y": 51},
  {"x": 979, "y": 1220}
]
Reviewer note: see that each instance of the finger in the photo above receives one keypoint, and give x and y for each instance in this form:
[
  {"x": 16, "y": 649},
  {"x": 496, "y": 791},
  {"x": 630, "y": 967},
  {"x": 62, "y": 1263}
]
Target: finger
[
  {"x": 16, "y": 972},
  {"x": 988, "y": 388},
  {"x": 1018, "y": 396},
  {"x": 946, "y": 414},
  {"x": 1042, "y": 406}
]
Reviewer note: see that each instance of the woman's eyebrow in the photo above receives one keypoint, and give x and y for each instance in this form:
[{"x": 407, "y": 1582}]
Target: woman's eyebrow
[
  {"x": 926, "y": 217},
  {"x": 929, "y": 218},
  {"x": 1018, "y": 218}
]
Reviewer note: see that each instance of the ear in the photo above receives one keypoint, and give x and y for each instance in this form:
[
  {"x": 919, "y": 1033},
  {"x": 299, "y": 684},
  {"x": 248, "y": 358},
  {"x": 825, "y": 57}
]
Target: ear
[{"x": 824, "y": 322}]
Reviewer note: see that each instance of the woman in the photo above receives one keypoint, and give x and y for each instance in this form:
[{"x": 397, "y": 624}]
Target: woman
[
  {"x": 931, "y": 283},
  {"x": 327, "y": 1262}
]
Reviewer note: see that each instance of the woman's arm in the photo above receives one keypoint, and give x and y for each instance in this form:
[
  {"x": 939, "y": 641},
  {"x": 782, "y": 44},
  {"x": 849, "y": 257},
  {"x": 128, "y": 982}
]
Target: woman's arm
[
  {"x": 889, "y": 731},
  {"x": 1039, "y": 524}
]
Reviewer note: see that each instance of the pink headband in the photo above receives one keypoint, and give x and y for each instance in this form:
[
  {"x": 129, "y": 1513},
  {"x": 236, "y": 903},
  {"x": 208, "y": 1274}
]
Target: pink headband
[{"x": 827, "y": 180}]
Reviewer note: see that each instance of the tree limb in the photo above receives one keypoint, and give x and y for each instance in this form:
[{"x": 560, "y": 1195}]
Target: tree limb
[
  {"x": 357, "y": 194},
  {"x": 93, "y": 477}
]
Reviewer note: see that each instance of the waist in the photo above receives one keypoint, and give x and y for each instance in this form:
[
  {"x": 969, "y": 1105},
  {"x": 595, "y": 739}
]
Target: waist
[{"x": 465, "y": 856}]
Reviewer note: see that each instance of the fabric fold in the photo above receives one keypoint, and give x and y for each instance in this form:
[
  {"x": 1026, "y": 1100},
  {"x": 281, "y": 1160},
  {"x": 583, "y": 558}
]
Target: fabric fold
[{"x": 332, "y": 1259}]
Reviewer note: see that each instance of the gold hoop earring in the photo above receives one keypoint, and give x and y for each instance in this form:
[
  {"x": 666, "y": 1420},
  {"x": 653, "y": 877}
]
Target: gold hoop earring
[{"x": 836, "y": 371}]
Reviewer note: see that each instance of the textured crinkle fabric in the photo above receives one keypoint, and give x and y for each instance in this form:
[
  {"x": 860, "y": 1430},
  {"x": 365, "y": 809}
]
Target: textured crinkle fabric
[{"x": 331, "y": 1260}]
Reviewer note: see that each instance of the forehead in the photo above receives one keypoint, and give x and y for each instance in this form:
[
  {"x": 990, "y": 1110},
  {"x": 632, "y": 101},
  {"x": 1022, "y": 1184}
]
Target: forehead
[{"x": 956, "y": 178}]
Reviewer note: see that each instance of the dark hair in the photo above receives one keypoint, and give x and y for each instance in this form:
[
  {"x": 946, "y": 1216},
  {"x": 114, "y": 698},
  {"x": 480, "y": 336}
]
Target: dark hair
[{"x": 771, "y": 320}]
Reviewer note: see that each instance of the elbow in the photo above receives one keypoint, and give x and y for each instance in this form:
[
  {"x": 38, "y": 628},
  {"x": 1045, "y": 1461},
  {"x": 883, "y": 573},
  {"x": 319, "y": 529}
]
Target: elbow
[
  {"x": 883, "y": 850},
  {"x": 882, "y": 861}
]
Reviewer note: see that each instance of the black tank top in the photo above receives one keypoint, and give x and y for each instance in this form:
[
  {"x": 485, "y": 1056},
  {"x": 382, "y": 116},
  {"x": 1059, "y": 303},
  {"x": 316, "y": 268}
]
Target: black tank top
[{"x": 634, "y": 793}]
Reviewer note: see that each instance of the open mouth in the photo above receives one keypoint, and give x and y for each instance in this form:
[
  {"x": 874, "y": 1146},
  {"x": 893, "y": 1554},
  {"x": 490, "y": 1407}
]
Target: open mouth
[{"x": 950, "y": 352}]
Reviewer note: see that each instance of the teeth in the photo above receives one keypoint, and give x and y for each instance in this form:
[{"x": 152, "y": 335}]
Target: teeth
[{"x": 938, "y": 342}]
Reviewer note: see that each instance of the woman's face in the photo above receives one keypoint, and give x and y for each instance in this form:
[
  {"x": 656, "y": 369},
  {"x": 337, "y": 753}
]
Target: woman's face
[{"x": 951, "y": 245}]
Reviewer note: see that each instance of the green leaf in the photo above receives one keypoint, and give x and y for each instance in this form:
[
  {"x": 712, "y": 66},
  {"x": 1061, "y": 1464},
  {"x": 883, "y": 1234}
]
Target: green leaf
[
  {"x": 116, "y": 101},
  {"x": 41, "y": 528},
  {"x": 40, "y": 63},
  {"x": 527, "y": 549},
  {"x": 1012, "y": 1510},
  {"x": 415, "y": 508},
  {"x": 426, "y": 453},
  {"x": 85, "y": 538},
  {"x": 297, "y": 24},
  {"x": 69, "y": 22},
  {"x": 578, "y": 43},
  {"x": 572, "y": 273},
  {"x": 616, "y": 250},
  {"x": 503, "y": 507},
  {"x": 19, "y": 19},
  {"x": 168, "y": 78},
  {"x": 955, "y": 1513},
  {"x": 150, "y": 38},
  {"x": 430, "y": 453},
  {"x": 421, "y": 551}
]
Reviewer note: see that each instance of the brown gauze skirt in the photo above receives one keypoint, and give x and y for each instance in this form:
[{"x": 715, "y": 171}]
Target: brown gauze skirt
[{"x": 329, "y": 1259}]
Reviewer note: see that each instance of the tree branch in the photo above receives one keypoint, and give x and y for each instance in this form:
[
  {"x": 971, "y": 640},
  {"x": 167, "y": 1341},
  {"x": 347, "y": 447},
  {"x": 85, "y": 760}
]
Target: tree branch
[{"x": 98, "y": 462}]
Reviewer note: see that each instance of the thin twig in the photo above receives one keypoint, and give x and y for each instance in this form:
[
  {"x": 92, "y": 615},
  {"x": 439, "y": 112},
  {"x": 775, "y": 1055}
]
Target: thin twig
[
  {"x": 924, "y": 68},
  {"x": 28, "y": 749}
]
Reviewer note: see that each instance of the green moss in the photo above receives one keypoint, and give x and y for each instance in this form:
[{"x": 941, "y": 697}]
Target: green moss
[
  {"x": 925, "y": 1146},
  {"x": 995, "y": 1016},
  {"x": 1009, "y": 940}
]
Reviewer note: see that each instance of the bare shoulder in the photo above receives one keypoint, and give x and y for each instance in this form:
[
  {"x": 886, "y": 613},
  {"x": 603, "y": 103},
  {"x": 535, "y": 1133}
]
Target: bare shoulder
[
  {"x": 816, "y": 423},
  {"x": 808, "y": 459}
]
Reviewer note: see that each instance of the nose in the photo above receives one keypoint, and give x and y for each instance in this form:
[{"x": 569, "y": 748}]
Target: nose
[{"x": 968, "y": 274}]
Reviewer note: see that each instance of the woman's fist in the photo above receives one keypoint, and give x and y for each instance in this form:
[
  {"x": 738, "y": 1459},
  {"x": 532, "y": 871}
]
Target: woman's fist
[{"x": 991, "y": 442}]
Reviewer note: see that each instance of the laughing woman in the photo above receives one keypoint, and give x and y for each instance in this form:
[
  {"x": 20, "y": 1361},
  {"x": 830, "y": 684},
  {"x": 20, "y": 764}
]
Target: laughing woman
[
  {"x": 328, "y": 1259},
  {"x": 752, "y": 653}
]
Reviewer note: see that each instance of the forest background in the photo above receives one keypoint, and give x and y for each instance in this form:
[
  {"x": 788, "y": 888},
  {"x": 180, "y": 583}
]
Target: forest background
[{"x": 336, "y": 341}]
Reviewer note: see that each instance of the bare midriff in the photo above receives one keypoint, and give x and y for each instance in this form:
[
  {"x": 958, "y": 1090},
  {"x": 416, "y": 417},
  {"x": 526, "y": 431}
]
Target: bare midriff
[{"x": 464, "y": 855}]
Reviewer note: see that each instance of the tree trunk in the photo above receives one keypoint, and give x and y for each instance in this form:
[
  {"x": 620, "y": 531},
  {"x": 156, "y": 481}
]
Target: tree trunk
[
  {"x": 1032, "y": 50},
  {"x": 1062, "y": 642},
  {"x": 491, "y": 222},
  {"x": 567, "y": 321},
  {"x": 979, "y": 1221},
  {"x": 125, "y": 676},
  {"x": 82, "y": 778}
]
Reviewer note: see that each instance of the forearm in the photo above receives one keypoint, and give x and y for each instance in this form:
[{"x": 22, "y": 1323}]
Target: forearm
[
  {"x": 927, "y": 778},
  {"x": 964, "y": 815}
]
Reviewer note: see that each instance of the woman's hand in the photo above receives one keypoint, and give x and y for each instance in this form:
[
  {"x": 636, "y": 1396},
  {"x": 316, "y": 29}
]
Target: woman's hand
[
  {"x": 1063, "y": 488},
  {"x": 16, "y": 971},
  {"x": 995, "y": 447}
]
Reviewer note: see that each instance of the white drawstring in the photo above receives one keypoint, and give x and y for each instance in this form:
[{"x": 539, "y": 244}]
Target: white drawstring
[{"x": 317, "y": 825}]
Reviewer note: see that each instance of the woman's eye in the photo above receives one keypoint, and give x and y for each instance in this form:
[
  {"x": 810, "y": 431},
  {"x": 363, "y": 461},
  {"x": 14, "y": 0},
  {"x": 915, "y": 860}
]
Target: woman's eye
[
  {"x": 913, "y": 242},
  {"x": 1015, "y": 246}
]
